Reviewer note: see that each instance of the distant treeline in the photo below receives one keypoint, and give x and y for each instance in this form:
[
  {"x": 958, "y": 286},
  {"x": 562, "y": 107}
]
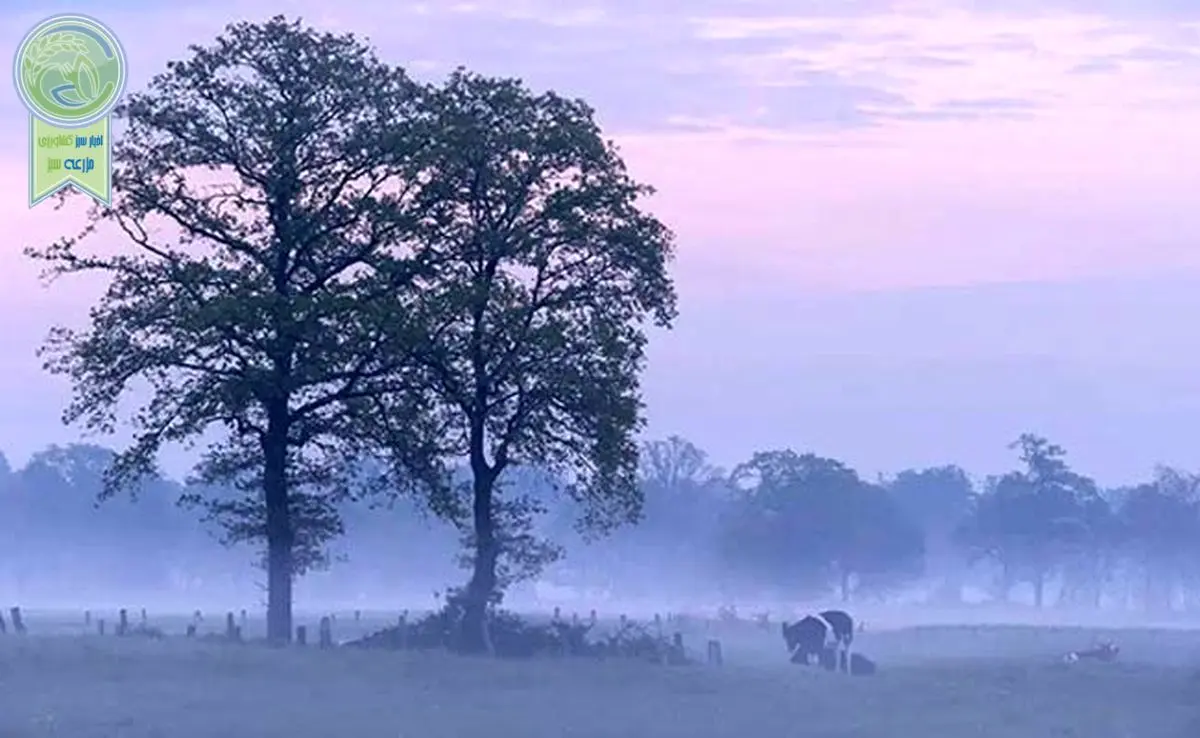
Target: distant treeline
[
  {"x": 782, "y": 524},
  {"x": 60, "y": 539}
]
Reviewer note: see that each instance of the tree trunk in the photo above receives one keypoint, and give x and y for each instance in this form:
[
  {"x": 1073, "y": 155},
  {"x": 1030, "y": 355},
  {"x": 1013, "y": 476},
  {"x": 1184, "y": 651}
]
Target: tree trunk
[
  {"x": 279, "y": 527},
  {"x": 482, "y": 586}
]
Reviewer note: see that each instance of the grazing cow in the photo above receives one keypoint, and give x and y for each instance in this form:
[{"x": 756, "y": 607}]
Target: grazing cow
[{"x": 826, "y": 635}]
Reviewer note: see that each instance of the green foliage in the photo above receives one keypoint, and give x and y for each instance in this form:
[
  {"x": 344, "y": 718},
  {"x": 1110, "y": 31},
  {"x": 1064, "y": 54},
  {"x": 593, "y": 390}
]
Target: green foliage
[
  {"x": 258, "y": 193},
  {"x": 548, "y": 274},
  {"x": 523, "y": 553}
]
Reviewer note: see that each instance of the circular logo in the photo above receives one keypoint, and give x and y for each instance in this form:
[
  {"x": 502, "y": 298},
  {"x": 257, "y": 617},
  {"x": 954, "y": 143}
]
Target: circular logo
[{"x": 70, "y": 70}]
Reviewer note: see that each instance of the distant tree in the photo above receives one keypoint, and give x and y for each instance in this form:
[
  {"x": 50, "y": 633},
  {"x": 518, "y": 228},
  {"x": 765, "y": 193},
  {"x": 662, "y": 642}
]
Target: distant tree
[
  {"x": 60, "y": 539},
  {"x": 258, "y": 184},
  {"x": 550, "y": 274},
  {"x": 1030, "y": 521},
  {"x": 673, "y": 462},
  {"x": 1161, "y": 522},
  {"x": 804, "y": 523},
  {"x": 683, "y": 494},
  {"x": 937, "y": 500},
  {"x": 1091, "y": 564},
  {"x": 674, "y": 543},
  {"x": 884, "y": 548}
]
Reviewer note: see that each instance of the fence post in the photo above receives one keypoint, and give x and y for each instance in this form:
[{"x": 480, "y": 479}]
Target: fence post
[
  {"x": 326, "y": 632},
  {"x": 715, "y": 657},
  {"x": 676, "y": 654}
]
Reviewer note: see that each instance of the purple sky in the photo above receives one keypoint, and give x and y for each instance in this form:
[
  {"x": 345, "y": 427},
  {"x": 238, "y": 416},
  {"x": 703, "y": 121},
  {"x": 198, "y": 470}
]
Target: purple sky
[{"x": 908, "y": 231}]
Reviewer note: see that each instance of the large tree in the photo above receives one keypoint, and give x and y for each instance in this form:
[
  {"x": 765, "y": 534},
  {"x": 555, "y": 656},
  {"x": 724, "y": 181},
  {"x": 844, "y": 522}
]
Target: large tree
[
  {"x": 257, "y": 186},
  {"x": 551, "y": 273}
]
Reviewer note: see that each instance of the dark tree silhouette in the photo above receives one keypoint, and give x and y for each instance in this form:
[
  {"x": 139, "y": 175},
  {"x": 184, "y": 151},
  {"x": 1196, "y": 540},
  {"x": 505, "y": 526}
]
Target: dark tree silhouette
[
  {"x": 1161, "y": 525},
  {"x": 549, "y": 275},
  {"x": 1031, "y": 521},
  {"x": 258, "y": 186},
  {"x": 804, "y": 523}
]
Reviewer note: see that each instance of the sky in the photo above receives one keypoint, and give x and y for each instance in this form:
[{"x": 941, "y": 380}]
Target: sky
[{"x": 907, "y": 231}]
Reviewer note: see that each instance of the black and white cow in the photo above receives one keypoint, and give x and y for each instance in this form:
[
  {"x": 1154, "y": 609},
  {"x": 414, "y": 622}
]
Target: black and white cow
[{"x": 827, "y": 635}]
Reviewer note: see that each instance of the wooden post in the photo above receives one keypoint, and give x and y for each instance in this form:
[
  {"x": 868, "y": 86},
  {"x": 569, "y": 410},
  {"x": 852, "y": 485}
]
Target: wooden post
[
  {"x": 592, "y": 616},
  {"x": 122, "y": 622},
  {"x": 18, "y": 622},
  {"x": 230, "y": 627},
  {"x": 87, "y": 618},
  {"x": 143, "y": 616},
  {"x": 557, "y": 615},
  {"x": 326, "y": 632},
  {"x": 715, "y": 657},
  {"x": 301, "y": 635},
  {"x": 677, "y": 652},
  {"x": 357, "y": 615},
  {"x": 243, "y": 620},
  {"x": 100, "y": 626}
]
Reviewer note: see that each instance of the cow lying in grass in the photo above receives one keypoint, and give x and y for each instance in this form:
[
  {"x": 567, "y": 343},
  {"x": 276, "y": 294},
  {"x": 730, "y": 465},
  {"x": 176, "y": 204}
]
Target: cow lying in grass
[
  {"x": 827, "y": 635},
  {"x": 1104, "y": 651}
]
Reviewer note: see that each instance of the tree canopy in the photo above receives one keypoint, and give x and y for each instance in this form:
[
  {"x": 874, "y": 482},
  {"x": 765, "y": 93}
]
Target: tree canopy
[
  {"x": 327, "y": 260},
  {"x": 549, "y": 273},
  {"x": 260, "y": 192}
]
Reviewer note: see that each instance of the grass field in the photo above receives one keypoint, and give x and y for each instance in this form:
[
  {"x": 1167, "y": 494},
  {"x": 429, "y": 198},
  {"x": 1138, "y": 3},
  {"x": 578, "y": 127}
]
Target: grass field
[{"x": 935, "y": 682}]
